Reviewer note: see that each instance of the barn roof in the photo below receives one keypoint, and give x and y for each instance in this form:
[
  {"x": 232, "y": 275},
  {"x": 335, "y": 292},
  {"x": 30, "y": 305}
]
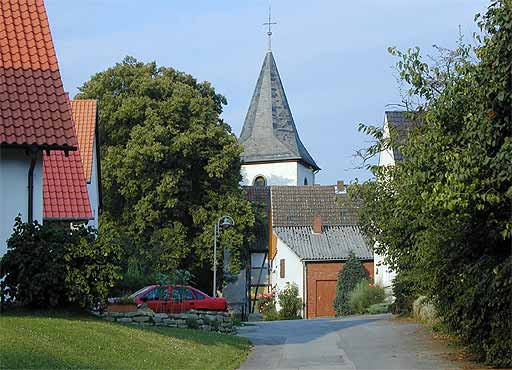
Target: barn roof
[
  {"x": 298, "y": 206},
  {"x": 33, "y": 104},
  {"x": 333, "y": 243},
  {"x": 269, "y": 132}
]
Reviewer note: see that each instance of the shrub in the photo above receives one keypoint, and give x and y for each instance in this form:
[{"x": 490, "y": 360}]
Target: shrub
[
  {"x": 378, "y": 308},
  {"x": 290, "y": 302},
  {"x": 364, "y": 295},
  {"x": 48, "y": 266},
  {"x": 404, "y": 295},
  {"x": 349, "y": 276},
  {"x": 266, "y": 302},
  {"x": 267, "y": 306}
]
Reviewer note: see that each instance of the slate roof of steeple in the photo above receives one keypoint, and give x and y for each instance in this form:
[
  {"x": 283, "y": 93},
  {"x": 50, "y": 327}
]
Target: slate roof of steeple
[{"x": 269, "y": 133}]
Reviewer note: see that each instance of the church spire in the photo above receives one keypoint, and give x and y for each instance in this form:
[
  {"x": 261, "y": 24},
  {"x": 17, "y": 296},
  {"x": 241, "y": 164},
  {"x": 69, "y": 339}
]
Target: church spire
[
  {"x": 269, "y": 133},
  {"x": 269, "y": 24}
]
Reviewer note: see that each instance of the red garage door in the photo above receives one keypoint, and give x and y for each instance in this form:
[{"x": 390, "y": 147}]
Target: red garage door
[
  {"x": 321, "y": 278},
  {"x": 325, "y": 294}
]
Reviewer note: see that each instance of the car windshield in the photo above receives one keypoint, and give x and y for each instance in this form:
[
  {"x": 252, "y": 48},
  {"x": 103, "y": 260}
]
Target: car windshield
[{"x": 140, "y": 291}]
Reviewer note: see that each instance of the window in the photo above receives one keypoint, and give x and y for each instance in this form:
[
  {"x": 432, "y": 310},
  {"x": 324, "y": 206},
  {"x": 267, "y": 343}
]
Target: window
[
  {"x": 198, "y": 295},
  {"x": 281, "y": 269},
  {"x": 180, "y": 294},
  {"x": 157, "y": 294},
  {"x": 305, "y": 181},
  {"x": 260, "y": 181}
]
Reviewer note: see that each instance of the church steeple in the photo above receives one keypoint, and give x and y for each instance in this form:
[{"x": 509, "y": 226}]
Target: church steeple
[{"x": 269, "y": 133}]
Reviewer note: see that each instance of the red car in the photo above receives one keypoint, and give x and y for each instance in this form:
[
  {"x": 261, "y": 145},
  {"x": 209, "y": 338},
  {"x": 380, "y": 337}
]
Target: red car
[{"x": 177, "y": 299}]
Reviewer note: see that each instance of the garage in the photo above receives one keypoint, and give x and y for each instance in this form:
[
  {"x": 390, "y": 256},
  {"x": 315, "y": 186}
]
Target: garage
[{"x": 321, "y": 280}]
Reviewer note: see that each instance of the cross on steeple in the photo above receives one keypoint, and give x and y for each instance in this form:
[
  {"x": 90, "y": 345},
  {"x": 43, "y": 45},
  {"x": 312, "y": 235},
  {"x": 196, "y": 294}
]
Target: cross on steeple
[{"x": 269, "y": 24}]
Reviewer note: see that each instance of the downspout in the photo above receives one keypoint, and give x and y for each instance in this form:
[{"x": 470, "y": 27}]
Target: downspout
[
  {"x": 33, "y": 160},
  {"x": 305, "y": 287}
]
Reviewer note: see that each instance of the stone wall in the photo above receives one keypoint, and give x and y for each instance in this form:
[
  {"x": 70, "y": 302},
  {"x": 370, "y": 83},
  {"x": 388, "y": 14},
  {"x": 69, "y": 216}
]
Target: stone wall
[{"x": 202, "y": 320}]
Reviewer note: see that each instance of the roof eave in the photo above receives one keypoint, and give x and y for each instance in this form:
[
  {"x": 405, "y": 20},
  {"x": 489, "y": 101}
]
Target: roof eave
[{"x": 40, "y": 146}]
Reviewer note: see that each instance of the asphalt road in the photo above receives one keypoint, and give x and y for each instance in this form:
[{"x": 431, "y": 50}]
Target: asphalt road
[{"x": 355, "y": 343}]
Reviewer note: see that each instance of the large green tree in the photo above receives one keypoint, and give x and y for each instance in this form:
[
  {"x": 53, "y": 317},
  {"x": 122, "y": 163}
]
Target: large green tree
[
  {"x": 170, "y": 167},
  {"x": 443, "y": 216}
]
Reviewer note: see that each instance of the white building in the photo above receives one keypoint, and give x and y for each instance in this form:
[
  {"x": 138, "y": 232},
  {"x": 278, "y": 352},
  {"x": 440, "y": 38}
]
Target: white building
[
  {"x": 314, "y": 230},
  {"x": 273, "y": 152},
  {"x": 396, "y": 126},
  {"x": 85, "y": 115},
  {"x": 273, "y": 155},
  {"x": 34, "y": 114}
]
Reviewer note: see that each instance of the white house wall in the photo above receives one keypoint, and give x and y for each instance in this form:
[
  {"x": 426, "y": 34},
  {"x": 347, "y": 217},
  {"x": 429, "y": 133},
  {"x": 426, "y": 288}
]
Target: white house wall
[
  {"x": 294, "y": 272},
  {"x": 278, "y": 173},
  {"x": 92, "y": 189},
  {"x": 386, "y": 156},
  {"x": 383, "y": 275},
  {"x": 14, "y": 166},
  {"x": 304, "y": 173}
]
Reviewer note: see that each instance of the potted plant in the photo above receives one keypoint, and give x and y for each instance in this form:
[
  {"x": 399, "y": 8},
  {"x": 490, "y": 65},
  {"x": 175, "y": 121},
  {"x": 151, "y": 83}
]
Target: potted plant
[{"x": 122, "y": 304}]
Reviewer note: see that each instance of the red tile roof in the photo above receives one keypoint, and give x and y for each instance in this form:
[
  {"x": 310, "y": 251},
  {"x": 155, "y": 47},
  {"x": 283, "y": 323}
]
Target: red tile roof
[
  {"x": 84, "y": 115},
  {"x": 64, "y": 189},
  {"x": 33, "y": 105}
]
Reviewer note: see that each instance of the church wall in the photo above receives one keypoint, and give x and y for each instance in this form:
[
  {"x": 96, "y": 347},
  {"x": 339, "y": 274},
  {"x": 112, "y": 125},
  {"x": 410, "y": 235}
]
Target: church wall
[
  {"x": 304, "y": 173},
  {"x": 278, "y": 173}
]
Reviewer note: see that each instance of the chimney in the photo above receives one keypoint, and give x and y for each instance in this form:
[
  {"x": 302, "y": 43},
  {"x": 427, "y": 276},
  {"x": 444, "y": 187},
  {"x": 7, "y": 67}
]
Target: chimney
[
  {"x": 340, "y": 186},
  {"x": 317, "y": 224}
]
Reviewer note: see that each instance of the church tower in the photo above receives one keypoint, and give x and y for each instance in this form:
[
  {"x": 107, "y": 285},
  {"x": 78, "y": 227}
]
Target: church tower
[{"x": 273, "y": 152}]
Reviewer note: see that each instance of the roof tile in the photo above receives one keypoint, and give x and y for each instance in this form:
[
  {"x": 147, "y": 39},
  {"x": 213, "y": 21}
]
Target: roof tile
[
  {"x": 64, "y": 189},
  {"x": 27, "y": 58},
  {"x": 84, "y": 115}
]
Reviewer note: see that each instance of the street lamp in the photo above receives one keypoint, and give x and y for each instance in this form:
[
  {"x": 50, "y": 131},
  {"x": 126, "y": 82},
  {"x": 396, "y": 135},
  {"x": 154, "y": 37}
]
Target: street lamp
[{"x": 223, "y": 222}]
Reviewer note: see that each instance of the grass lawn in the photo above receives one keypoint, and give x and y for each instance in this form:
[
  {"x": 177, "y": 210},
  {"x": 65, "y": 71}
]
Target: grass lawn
[{"x": 74, "y": 341}]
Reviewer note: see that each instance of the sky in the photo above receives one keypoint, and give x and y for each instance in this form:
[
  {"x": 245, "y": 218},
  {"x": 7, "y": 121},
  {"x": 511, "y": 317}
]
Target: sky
[{"x": 331, "y": 55}]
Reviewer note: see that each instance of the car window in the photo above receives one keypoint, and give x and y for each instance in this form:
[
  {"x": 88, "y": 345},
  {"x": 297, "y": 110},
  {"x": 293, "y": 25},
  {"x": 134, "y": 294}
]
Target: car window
[
  {"x": 177, "y": 294},
  {"x": 140, "y": 292},
  {"x": 199, "y": 295},
  {"x": 189, "y": 295},
  {"x": 157, "y": 294},
  {"x": 180, "y": 294}
]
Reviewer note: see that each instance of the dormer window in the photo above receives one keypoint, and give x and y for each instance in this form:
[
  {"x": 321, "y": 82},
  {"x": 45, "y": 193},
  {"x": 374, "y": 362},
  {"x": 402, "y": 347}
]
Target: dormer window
[{"x": 259, "y": 181}]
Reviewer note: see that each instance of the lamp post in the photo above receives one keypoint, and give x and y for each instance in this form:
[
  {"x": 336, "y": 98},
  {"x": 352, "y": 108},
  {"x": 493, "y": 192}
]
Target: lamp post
[{"x": 223, "y": 222}]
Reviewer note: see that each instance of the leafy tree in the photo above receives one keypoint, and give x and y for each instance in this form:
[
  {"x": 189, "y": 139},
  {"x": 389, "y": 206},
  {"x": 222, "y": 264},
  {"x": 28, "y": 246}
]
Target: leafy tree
[
  {"x": 442, "y": 217},
  {"x": 348, "y": 278},
  {"x": 170, "y": 167},
  {"x": 50, "y": 266}
]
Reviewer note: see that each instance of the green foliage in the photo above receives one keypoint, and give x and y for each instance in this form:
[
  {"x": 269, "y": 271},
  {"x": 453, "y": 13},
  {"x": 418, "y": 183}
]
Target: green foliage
[
  {"x": 170, "y": 167},
  {"x": 267, "y": 306},
  {"x": 364, "y": 295},
  {"x": 404, "y": 295},
  {"x": 377, "y": 308},
  {"x": 442, "y": 217},
  {"x": 48, "y": 266},
  {"x": 348, "y": 278},
  {"x": 174, "y": 277},
  {"x": 290, "y": 302},
  {"x": 127, "y": 300},
  {"x": 92, "y": 265}
]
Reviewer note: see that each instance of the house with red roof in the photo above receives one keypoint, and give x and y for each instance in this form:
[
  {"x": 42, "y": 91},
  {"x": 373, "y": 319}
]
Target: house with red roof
[
  {"x": 37, "y": 132},
  {"x": 85, "y": 115}
]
